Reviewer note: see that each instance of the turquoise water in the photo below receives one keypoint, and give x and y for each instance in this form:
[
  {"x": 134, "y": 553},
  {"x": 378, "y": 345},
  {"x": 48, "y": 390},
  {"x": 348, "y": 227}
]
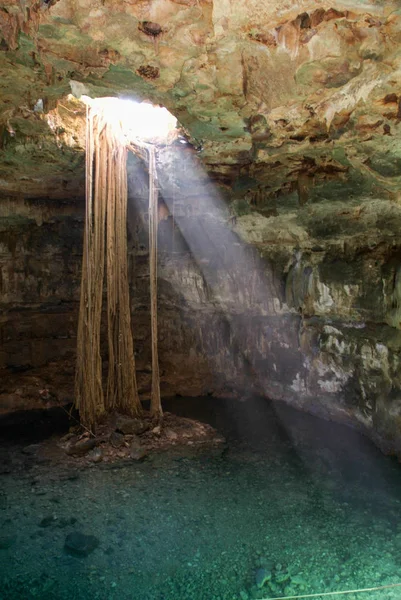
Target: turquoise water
[{"x": 308, "y": 505}]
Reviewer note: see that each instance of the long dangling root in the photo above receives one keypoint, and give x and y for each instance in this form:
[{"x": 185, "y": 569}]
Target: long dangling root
[
  {"x": 155, "y": 402},
  {"x": 105, "y": 232},
  {"x": 122, "y": 392},
  {"x": 89, "y": 398}
]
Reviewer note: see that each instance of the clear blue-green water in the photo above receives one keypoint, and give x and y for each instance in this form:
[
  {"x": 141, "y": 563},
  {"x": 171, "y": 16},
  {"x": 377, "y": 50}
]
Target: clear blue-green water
[{"x": 313, "y": 504}]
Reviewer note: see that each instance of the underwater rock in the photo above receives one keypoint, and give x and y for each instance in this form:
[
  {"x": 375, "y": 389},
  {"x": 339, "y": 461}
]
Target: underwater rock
[
  {"x": 131, "y": 426},
  {"x": 47, "y": 521},
  {"x": 54, "y": 520},
  {"x": 65, "y": 522},
  {"x": 262, "y": 576},
  {"x": 267, "y": 563},
  {"x": 283, "y": 576},
  {"x": 79, "y": 544},
  {"x": 6, "y": 541}
]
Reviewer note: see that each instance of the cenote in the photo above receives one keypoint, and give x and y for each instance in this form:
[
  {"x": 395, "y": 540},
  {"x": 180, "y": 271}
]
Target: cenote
[
  {"x": 200, "y": 300},
  {"x": 288, "y": 505}
]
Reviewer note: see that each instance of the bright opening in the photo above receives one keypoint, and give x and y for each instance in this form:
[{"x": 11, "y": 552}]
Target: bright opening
[{"x": 136, "y": 120}]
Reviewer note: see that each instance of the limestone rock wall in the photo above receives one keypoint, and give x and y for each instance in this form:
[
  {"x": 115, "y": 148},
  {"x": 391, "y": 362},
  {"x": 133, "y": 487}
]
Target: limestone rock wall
[
  {"x": 312, "y": 322},
  {"x": 286, "y": 279},
  {"x": 282, "y": 92}
]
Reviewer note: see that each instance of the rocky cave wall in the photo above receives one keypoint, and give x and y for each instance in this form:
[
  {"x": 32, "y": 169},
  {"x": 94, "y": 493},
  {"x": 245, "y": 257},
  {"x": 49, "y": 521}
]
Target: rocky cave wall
[
  {"x": 302, "y": 306},
  {"x": 285, "y": 279}
]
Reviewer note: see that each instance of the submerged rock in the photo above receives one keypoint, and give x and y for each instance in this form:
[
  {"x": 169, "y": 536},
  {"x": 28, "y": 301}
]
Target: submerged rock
[
  {"x": 79, "y": 544},
  {"x": 47, "y": 521},
  {"x": 262, "y": 576},
  {"x": 65, "y": 522},
  {"x": 6, "y": 541}
]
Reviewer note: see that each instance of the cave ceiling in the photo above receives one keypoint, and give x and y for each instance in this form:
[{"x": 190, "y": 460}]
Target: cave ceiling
[{"x": 277, "y": 97}]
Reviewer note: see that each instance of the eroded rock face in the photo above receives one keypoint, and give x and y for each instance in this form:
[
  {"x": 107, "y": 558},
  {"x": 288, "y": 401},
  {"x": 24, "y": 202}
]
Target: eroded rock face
[
  {"x": 276, "y": 96},
  {"x": 279, "y": 250},
  {"x": 302, "y": 305}
]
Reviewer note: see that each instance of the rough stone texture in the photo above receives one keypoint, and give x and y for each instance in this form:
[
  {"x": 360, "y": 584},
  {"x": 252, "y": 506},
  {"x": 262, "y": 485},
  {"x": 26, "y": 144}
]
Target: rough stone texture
[
  {"x": 80, "y": 447},
  {"x": 276, "y": 95},
  {"x": 279, "y": 224},
  {"x": 301, "y": 306},
  {"x": 129, "y": 426}
]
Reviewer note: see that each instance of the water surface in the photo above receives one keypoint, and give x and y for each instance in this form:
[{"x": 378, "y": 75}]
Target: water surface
[{"x": 311, "y": 505}]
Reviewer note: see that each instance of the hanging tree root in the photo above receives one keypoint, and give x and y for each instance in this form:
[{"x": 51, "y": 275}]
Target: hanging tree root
[
  {"x": 122, "y": 393},
  {"x": 155, "y": 403},
  {"x": 89, "y": 398},
  {"x": 105, "y": 232}
]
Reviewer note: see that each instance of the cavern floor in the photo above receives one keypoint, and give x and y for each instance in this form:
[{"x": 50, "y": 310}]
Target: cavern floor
[{"x": 293, "y": 503}]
